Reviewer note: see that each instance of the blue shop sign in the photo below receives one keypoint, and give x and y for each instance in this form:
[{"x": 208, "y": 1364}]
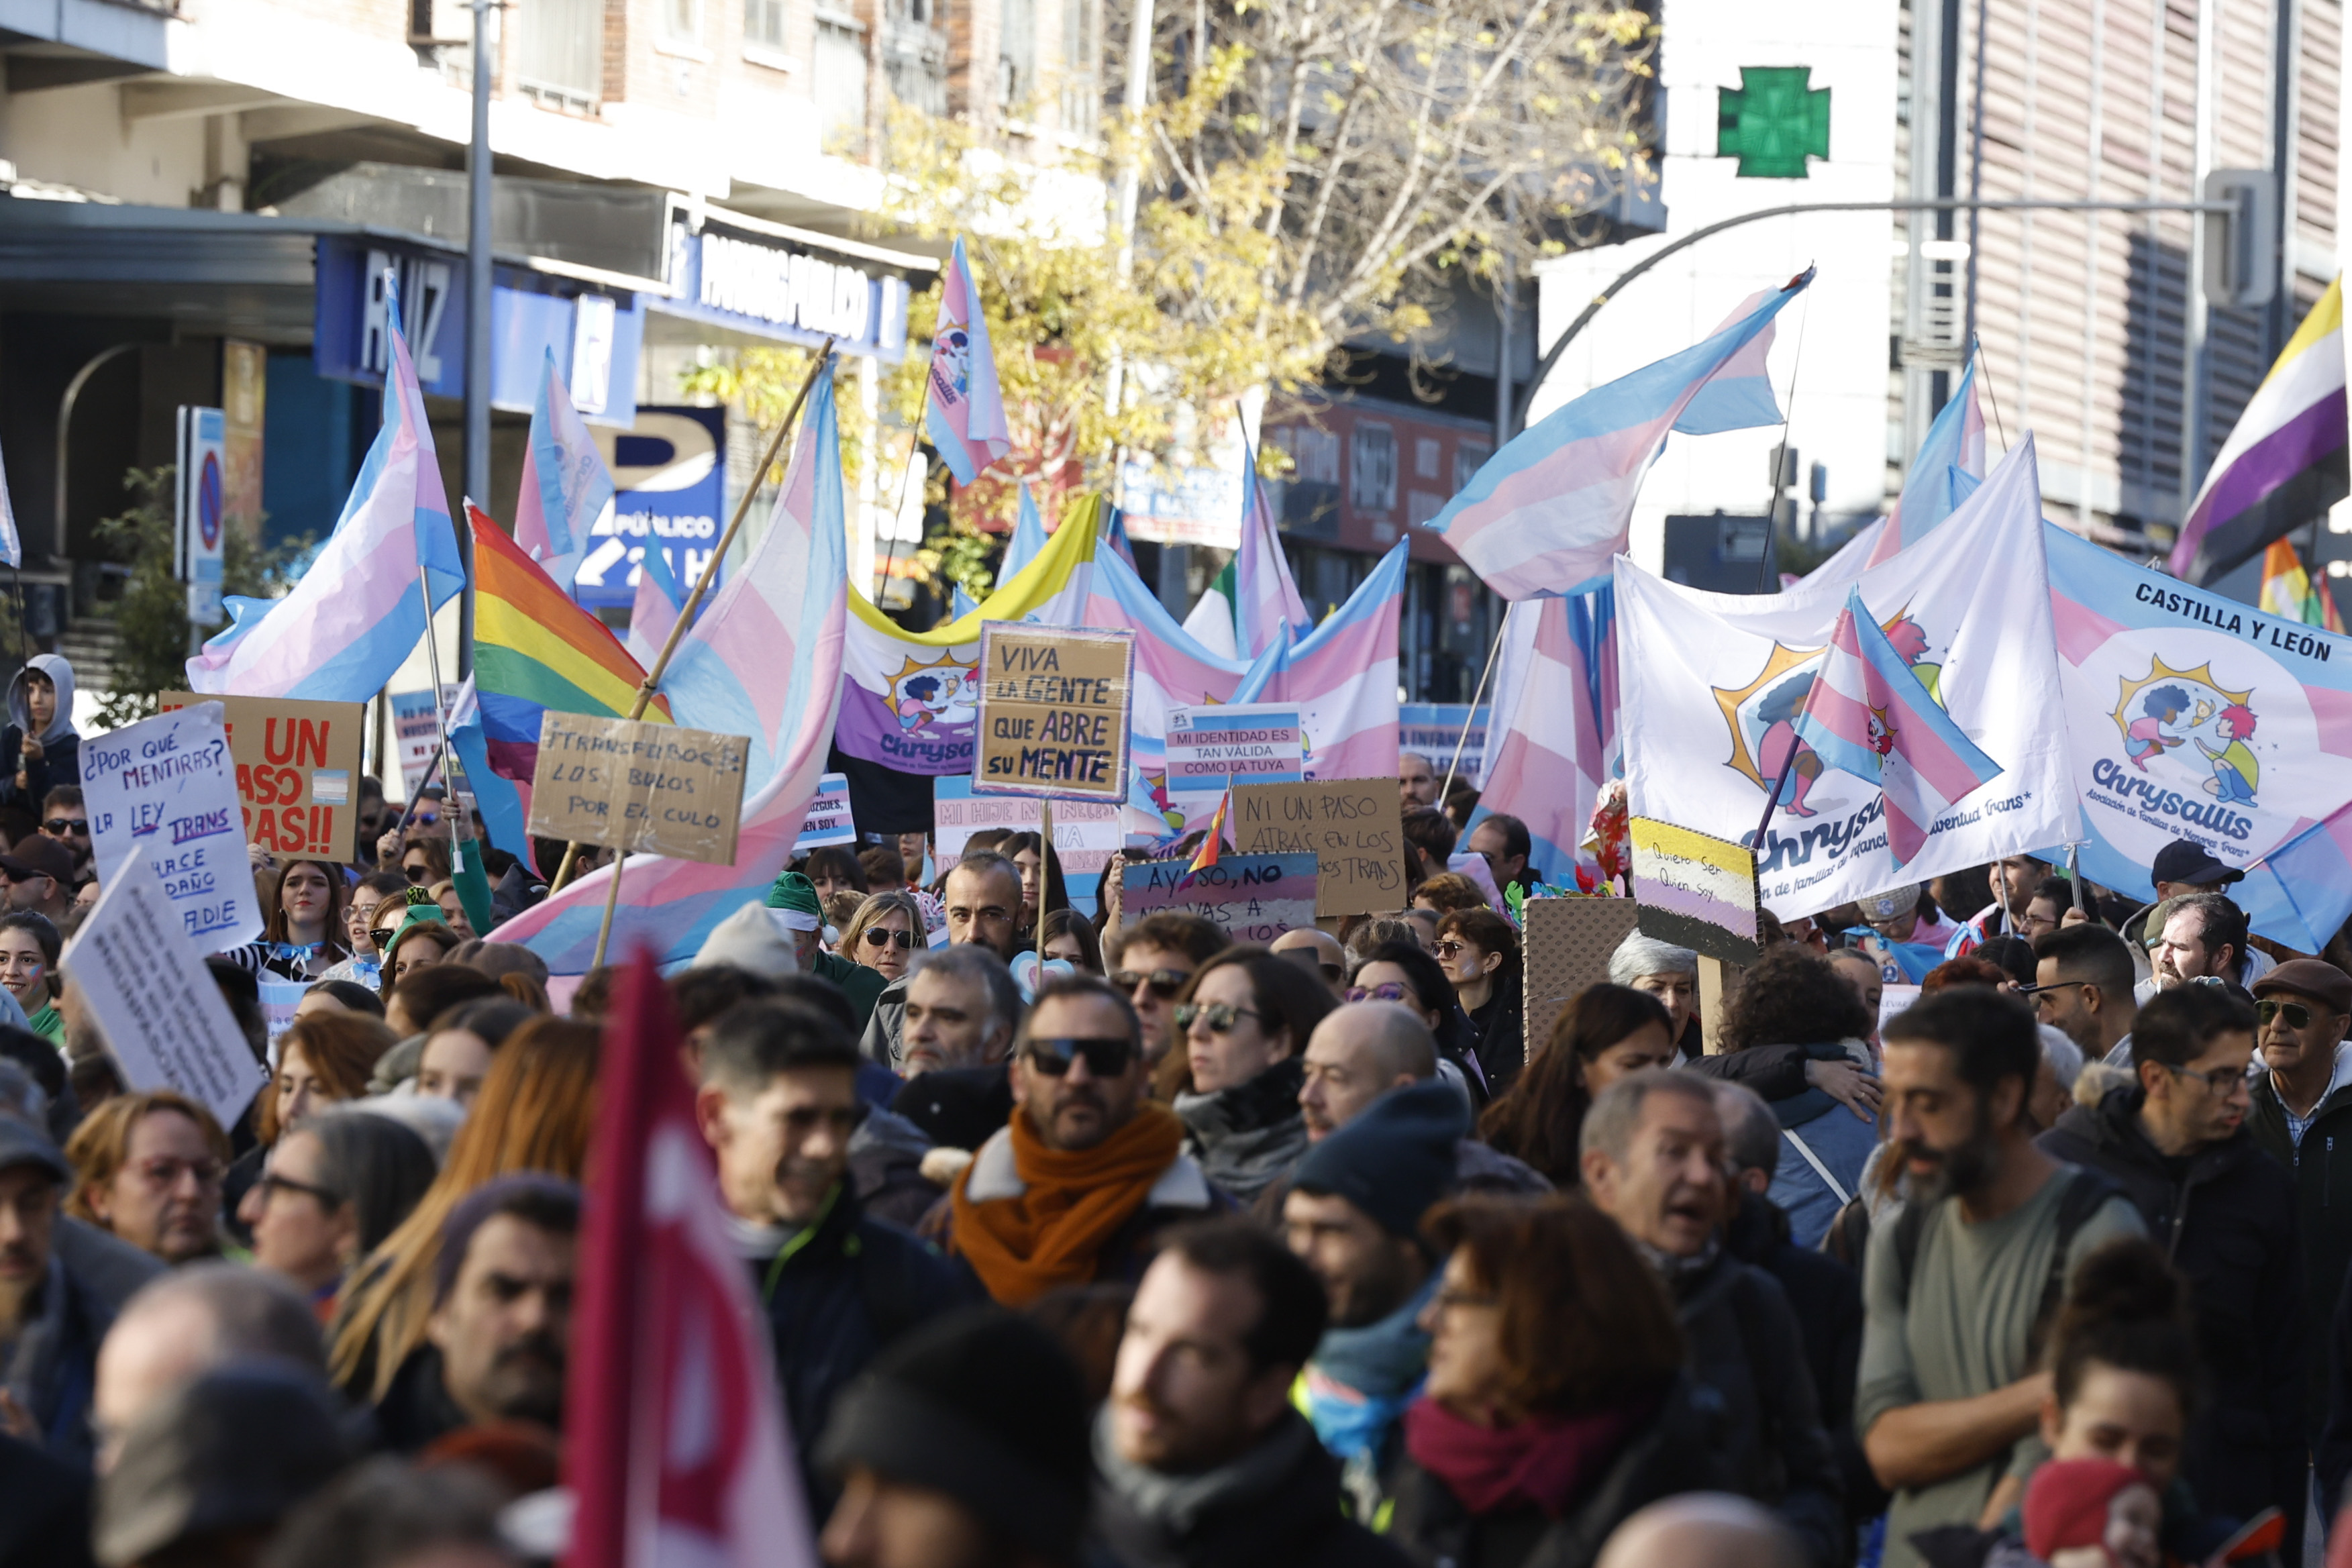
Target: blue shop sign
[
  {"x": 596, "y": 335},
  {"x": 671, "y": 494},
  {"x": 727, "y": 275}
]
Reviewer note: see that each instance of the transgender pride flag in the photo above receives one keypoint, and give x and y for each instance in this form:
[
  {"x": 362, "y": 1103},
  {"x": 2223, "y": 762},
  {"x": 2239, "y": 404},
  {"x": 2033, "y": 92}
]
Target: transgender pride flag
[
  {"x": 1868, "y": 715},
  {"x": 963, "y": 410},
  {"x": 1955, "y": 439},
  {"x": 1545, "y": 513},
  {"x": 1172, "y": 669},
  {"x": 1554, "y": 725},
  {"x": 565, "y": 485},
  {"x": 1343, "y": 676},
  {"x": 358, "y": 611},
  {"x": 780, "y": 620},
  {"x": 1028, "y": 540}
]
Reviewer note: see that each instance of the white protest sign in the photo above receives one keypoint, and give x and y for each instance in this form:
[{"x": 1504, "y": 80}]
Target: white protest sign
[
  {"x": 144, "y": 984},
  {"x": 828, "y": 821},
  {"x": 1211, "y": 747},
  {"x": 164, "y": 790}
]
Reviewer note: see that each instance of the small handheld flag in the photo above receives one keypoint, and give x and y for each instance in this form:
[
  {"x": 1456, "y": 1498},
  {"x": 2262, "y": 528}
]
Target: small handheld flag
[
  {"x": 1211, "y": 846},
  {"x": 963, "y": 409}
]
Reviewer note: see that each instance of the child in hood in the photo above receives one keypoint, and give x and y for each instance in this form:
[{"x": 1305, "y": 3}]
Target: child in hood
[{"x": 39, "y": 747}]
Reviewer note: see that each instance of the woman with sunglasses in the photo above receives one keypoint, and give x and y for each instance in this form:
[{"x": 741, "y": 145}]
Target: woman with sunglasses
[
  {"x": 883, "y": 935},
  {"x": 335, "y": 1186},
  {"x": 1606, "y": 1032},
  {"x": 1480, "y": 951},
  {"x": 1244, "y": 1018},
  {"x": 305, "y": 933},
  {"x": 386, "y": 889},
  {"x": 1399, "y": 971}
]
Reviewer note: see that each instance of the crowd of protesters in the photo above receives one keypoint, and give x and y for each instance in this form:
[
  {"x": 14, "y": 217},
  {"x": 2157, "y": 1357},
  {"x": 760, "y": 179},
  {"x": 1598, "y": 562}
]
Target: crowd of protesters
[{"x": 1993, "y": 1220}]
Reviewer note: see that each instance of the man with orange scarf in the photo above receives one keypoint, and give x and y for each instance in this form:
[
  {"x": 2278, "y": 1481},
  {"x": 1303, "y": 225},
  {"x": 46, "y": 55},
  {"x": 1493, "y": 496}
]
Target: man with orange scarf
[{"x": 1087, "y": 1170}]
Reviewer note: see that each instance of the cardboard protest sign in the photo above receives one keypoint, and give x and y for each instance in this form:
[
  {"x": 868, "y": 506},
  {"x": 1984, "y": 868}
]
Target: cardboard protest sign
[
  {"x": 1250, "y": 898},
  {"x": 417, "y": 729},
  {"x": 1212, "y": 748},
  {"x": 828, "y": 820},
  {"x": 1567, "y": 943},
  {"x": 1053, "y": 712},
  {"x": 1351, "y": 825},
  {"x": 1087, "y": 833},
  {"x": 163, "y": 792},
  {"x": 638, "y": 787},
  {"x": 143, "y": 983},
  {"x": 297, "y": 770},
  {"x": 1694, "y": 891}
]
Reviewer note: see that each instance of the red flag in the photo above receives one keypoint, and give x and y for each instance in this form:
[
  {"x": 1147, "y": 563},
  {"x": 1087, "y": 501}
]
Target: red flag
[{"x": 675, "y": 1446}]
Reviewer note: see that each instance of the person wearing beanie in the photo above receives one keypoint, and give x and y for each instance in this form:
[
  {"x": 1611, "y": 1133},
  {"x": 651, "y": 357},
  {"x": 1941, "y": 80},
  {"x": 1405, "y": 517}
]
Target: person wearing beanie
[
  {"x": 1354, "y": 1215},
  {"x": 792, "y": 904},
  {"x": 2093, "y": 1514},
  {"x": 964, "y": 1445},
  {"x": 1200, "y": 1461}
]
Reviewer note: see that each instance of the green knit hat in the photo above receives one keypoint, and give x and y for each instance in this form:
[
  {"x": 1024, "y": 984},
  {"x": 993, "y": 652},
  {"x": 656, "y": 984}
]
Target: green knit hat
[{"x": 794, "y": 896}]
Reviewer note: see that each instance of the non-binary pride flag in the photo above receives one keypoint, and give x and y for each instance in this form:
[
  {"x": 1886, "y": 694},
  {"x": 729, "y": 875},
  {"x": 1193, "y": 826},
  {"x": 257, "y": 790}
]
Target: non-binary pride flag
[
  {"x": 2195, "y": 716},
  {"x": 359, "y": 611},
  {"x": 565, "y": 486},
  {"x": 1545, "y": 514},
  {"x": 676, "y": 1446},
  {"x": 1868, "y": 714},
  {"x": 2285, "y": 461},
  {"x": 1720, "y": 681},
  {"x": 963, "y": 410}
]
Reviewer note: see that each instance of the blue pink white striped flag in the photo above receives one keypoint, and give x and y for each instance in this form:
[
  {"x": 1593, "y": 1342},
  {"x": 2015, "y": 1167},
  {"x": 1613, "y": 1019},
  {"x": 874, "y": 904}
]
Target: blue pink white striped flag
[
  {"x": 1955, "y": 439},
  {"x": 1551, "y": 736},
  {"x": 659, "y": 600},
  {"x": 358, "y": 611},
  {"x": 780, "y": 620},
  {"x": 1343, "y": 676},
  {"x": 1869, "y": 714},
  {"x": 1545, "y": 513},
  {"x": 1028, "y": 540},
  {"x": 963, "y": 410},
  {"x": 565, "y": 485},
  {"x": 1267, "y": 598}
]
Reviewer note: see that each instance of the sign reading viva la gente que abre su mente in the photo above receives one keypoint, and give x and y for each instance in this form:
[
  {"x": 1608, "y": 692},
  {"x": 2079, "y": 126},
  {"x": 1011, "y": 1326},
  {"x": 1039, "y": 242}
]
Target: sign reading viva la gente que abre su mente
[{"x": 1053, "y": 711}]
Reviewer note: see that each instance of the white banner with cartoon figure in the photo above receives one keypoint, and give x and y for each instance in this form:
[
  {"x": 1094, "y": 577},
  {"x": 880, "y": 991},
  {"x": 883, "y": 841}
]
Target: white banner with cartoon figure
[{"x": 1712, "y": 685}]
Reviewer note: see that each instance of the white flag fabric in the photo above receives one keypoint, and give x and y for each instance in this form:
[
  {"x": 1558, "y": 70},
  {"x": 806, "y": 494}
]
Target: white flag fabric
[{"x": 1713, "y": 684}]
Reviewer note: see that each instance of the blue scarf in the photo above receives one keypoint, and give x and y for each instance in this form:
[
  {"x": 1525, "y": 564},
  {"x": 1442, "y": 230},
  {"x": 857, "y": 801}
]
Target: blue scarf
[{"x": 1359, "y": 1380}]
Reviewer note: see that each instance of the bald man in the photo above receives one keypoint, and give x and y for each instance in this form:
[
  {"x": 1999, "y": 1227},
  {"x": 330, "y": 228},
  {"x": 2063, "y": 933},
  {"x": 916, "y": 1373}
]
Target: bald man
[
  {"x": 1702, "y": 1529},
  {"x": 188, "y": 1322},
  {"x": 1316, "y": 952},
  {"x": 1417, "y": 781},
  {"x": 1357, "y": 1053}
]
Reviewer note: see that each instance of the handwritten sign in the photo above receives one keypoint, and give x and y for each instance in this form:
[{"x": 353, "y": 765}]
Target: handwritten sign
[
  {"x": 638, "y": 787},
  {"x": 1087, "y": 833},
  {"x": 163, "y": 792},
  {"x": 1351, "y": 825},
  {"x": 143, "y": 983},
  {"x": 1053, "y": 712},
  {"x": 298, "y": 768},
  {"x": 828, "y": 821},
  {"x": 1694, "y": 891},
  {"x": 1251, "y": 898},
  {"x": 1211, "y": 749}
]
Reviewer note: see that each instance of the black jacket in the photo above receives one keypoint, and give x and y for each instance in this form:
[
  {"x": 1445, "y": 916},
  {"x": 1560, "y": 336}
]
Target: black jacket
[
  {"x": 1826, "y": 1296},
  {"x": 1748, "y": 1361},
  {"x": 2226, "y": 1217},
  {"x": 44, "y": 1509},
  {"x": 835, "y": 1296},
  {"x": 416, "y": 1411},
  {"x": 1673, "y": 1453},
  {"x": 1279, "y": 1508},
  {"x": 2323, "y": 1205},
  {"x": 2331, "y": 1456},
  {"x": 1500, "y": 1028},
  {"x": 958, "y": 1107}
]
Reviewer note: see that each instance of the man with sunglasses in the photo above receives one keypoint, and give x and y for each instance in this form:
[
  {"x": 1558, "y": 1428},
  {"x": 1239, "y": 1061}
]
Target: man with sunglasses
[
  {"x": 1150, "y": 962},
  {"x": 779, "y": 1105},
  {"x": 64, "y": 819},
  {"x": 2301, "y": 1116},
  {"x": 1088, "y": 1171},
  {"x": 2176, "y": 1140}
]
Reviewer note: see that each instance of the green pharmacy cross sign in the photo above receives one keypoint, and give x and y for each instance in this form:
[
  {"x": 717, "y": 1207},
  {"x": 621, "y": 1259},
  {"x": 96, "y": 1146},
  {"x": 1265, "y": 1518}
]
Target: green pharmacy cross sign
[{"x": 1773, "y": 121}]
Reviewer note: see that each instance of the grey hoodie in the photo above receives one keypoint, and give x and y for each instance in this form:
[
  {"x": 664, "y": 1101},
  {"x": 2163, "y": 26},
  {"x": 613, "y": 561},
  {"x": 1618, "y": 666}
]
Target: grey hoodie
[
  {"x": 61, "y": 744},
  {"x": 61, "y": 675}
]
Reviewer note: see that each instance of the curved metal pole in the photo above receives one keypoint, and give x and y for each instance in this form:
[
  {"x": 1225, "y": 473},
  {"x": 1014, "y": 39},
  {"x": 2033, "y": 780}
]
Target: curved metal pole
[
  {"x": 1551, "y": 355},
  {"x": 65, "y": 424}
]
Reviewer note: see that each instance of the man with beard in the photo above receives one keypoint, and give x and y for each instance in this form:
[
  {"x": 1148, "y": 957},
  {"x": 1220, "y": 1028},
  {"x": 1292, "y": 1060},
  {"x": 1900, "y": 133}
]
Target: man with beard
[
  {"x": 1655, "y": 1159},
  {"x": 1954, "y": 1294},
  {"x": 778, "y": 1106},
  {"x": 1074, "y": 1188},
  {"x": 1354, "y": 1212},
  {"x": 983, "y": 908},
  {"x": 501, "y": 1324}
]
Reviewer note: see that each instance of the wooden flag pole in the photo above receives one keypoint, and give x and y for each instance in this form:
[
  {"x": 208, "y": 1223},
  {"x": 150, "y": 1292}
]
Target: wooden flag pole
[{"x": 687, "y": 613}]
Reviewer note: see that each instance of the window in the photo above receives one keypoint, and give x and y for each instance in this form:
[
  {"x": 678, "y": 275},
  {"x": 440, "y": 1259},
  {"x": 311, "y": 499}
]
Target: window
[
  {"x": 1372, "y": 471},
  {"x": 1426, "y": 451},
  {"x": 1016, "y": 62},
  {"x": 841, "y": 68},
  {"x": 763, "y": 24},
  {"x": 1469, "y": 457},
  {"x": 562, "y": 52},
  {"x": 682, "y": 21},
  {"x": 1081, "y": 93},
  {"x": 1316, "y": 452}
]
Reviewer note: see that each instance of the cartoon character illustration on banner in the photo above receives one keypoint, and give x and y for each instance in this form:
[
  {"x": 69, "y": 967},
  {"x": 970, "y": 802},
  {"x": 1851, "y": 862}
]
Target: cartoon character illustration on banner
[
  {"x": 951, "y": 367},
  {"x": 942, "y": 693},
  {"x": 1762, "y": 715},
  {"x": 2167, "y": 709}
]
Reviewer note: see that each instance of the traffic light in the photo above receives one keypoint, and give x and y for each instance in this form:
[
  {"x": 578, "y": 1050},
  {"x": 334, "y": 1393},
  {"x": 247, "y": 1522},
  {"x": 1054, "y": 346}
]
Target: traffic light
[{"x": 1773, "y": 121}]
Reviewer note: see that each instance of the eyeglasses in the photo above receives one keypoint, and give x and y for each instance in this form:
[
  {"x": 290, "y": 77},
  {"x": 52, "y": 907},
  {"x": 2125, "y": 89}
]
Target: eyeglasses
[
  {"x": 2221, "y": 1080},
  {"x": 1220, "y": 1017},
  {"x": 1391, "y": 992},
  {"x": 878, "y": 937},
  {"x": 61, "y": 826},
  {"x": 381, "y": 935},
  {"x": 1164, "y": 983},
  {"x": 1449, "y": 947},
  {"x": 167, "y": 1171},
  {"x": 417, "y": 875},
  {"x": 272, "y": 1184},
  {"x": 1107, "y": 1056},
  {"x": 2297, "y": 1015}
]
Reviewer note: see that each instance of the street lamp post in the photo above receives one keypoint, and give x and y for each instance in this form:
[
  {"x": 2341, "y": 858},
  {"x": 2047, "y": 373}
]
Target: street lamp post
[{"x": 477, "y": 319}]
